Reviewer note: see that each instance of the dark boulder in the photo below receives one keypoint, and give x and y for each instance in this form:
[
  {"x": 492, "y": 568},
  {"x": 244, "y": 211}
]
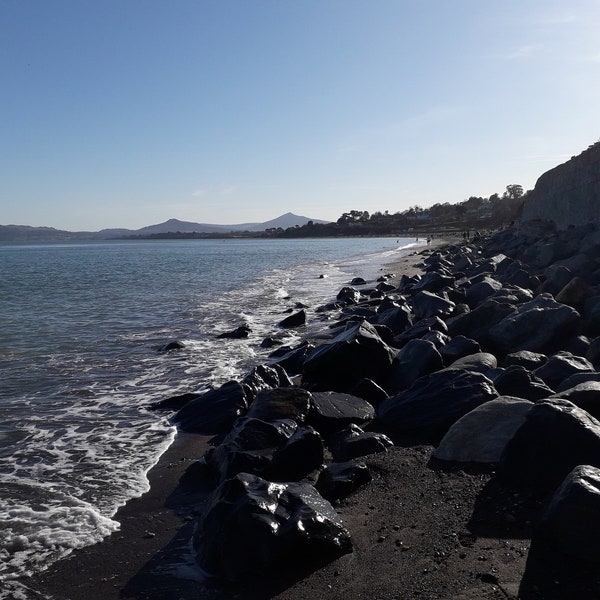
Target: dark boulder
[
  {"x": 358, "y": 281},
  {"x": 518, "y": 381},
  {"x": 482, "y": 434},
  {"x": 174, "y": 345},
  {"x": 427, "y": 304},
  {"x": 264, "y": 377},
  {"x": 368, "y": 390},
  {"x": 585, "y": 395},
  {"x": 437, "y": 338},
  {"x": 248, "y": 447},
  {"x": 339, "y": 479},
  {"x": 480, "y": 362},
  {"x": 348, "y": 295},
  {"x": 525, "y": 359},
  {"x": 593, "y": 352},
  {"x": 332, "y": 411},
  {"x": 294, "y": 320},
  {"x": 433, "y": 282},
  {"x": 475, "y": 324},
  {"x": 292, "y": 359},
  {"x": 481, "y": 290},
  {"x": 419, "y": 329},
  {"x": 397, "y": 318},
  {"x": 458, "y": 347},
  {"x": 556, "y": 437},
  {"x": 417, "y": 358},
  {"x": 561, "y": 365},
  {"x": 299, "y": 456},
  {"x": 592, "y": 315},
  {"x": 575, "y": 293},
  {"x": 281, "y": 403},
  {"x": 174, "y": 402},
  {"x": 250, "y": 526},
  {"x": 213, "y": 412},
  {"x": 352, "y": 355},
  {"x": 569, "y": 523},
  {"x": 534, "y": 326},
  {"x": 241, "y": 332},
  {"x": 434, "y": 402},
  {"x": 573, "y": 380},
  {"x": 353, "y": 442}
]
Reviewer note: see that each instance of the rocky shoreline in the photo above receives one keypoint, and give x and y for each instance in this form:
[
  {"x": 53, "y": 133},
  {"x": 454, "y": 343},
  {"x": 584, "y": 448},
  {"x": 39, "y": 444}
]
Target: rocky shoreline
[{"x": 431, "y": 446}]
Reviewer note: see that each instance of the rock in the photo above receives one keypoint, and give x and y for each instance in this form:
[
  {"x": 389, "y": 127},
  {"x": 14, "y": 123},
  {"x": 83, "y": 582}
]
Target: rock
[
  {"x": 249, "y": 447},
  {"x": 458, "y": 347},
  {"x": 593, "y": 352},
  {"x": 556, "y": 278},
  {"x": 419, "y": 329},
  {"x": 561, "y": 365},
  {"x": 294, "y": 320},
  {"x": 348, "y": 295},
  {"x": 300, "y": 455},
  {"x": 281, "y": 403},
  {"x": 417, "y": 358},
  {"x": 174, "y": 345},
  {"x": 353, "y": 442},
  {"x": 396, "y": 318},
  {"x": 213, "y": 412},
  {"x": 533, "y": 326},
  {"x": 384, "y": 286},
  {"x": 427, "y": 304},
  {"x": 332, "y": 411},
  {"x": 432, "y": 282},
  {"x": 358, "y": 281},
  {"x": 476, "y": 323},
  {"x": 174, "y": 402},
  {"x": 585, "y": 395},
  {"x": 555, "y": 438},
  {"x": 573, "y": 380},
  {"x": 368, "y": 390},
  {"x": 481, "y": 290},
  {"x": 241, "y": 332},
  {"x": 250, "y": 526},
  {"x": 592, "y": 315},
  {"x": 575, "y": 293},
  {"x": 264, "y": 377},
  {"x": 518, "y": 381},
  {"x": 481, "y": 435},
  {"x": 292, "y": 359},
  {"x": 433, "y": 403},
  {"x": 480, "y": 362},
  {"x": 569, "y": 522},
  {"x": 525, "y": 359},
  {"x": 437, "y": 338},
  {"x": 352, "y": 355},
  {"x": 339, "y": 479}
]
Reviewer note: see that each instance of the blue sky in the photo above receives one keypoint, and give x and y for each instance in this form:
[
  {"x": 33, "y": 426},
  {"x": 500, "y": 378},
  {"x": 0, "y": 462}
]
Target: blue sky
[{"x": 124, "y": 113}]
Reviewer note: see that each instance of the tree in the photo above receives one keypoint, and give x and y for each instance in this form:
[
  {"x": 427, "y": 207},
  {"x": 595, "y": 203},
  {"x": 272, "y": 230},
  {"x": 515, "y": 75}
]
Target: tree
[{"x": 513, "y": 191}]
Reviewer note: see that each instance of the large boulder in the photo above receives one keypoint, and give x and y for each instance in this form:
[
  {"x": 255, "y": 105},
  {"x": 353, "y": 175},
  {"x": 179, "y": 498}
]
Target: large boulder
[
  {"x": 294, "y": 320},
  {"x": 249, "y": 447},
  {"x": 264, "y": 377},
  {"x": 339, "y": 479},
  {"x": 458, "y": 347},
  {"x": 426, "y": 304},
  {"x": 556, "y": 437},
  {"x": 434, "y": 402},
  {"x": 353, "y": 442},
  {"x": 560, "y": 366},
  {"x": 534, "y": 326},
  {"x": 570, "y": 521},
  {"x": 213, "y": 412},
  {"x": 480, "y": 362},
  {"x": 354, "y": 354},
  {"x": 585, "y": 395},
  {"x": 250, "y": 526},
  {"x": 417, "y": 358},
  {"x": 484, "y": 288},
  {"x": 481, "y": 435},
  {"x": 397, "y": 318},
  {"x": 518, "y": 381},
  {"x": 332, "y": 411},
  {"x": 281, "y": 403}
]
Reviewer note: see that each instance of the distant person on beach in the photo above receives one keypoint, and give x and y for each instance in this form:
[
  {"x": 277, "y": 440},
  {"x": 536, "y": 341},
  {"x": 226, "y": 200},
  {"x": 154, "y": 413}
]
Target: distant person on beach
[{"x": 428, "y": 240}]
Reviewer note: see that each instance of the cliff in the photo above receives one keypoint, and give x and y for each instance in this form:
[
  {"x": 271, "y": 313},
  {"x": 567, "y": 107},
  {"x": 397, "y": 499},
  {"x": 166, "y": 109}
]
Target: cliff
[{"x": 569, "y": 194}]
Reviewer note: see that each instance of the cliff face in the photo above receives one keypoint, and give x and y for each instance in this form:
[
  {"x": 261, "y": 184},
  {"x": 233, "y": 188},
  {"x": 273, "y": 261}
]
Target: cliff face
[{"x": 568, "y": 194}]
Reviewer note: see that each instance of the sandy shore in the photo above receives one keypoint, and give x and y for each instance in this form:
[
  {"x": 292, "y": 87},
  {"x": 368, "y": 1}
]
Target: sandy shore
[{"x": 417, "y": 530}]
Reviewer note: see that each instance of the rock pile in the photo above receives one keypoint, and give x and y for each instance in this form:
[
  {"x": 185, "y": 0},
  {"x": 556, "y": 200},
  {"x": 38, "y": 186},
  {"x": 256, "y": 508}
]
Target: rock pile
[{"x": 491, "y": 355}]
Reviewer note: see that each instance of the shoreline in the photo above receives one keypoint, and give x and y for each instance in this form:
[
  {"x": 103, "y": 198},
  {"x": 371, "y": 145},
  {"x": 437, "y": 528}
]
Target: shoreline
[{"x": 154, "y": 527}]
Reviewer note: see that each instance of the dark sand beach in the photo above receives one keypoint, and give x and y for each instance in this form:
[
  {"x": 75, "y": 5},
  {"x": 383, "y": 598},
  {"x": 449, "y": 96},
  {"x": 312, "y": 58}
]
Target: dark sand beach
[{"x": 423, "y": 528}]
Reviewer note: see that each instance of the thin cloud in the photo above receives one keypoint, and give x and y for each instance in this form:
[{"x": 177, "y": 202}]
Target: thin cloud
[
  {"x": 521, "y": 53},
  {"x": 227, "y": 190},
  {"x": 199, "y": 193}
]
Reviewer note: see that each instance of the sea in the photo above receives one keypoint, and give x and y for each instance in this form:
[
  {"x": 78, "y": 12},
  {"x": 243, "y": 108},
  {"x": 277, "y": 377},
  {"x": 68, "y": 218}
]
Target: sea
[{"x": 82, "y": 326}]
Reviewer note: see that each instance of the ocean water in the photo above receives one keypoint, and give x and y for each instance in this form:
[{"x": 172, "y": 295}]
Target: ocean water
[{"x": 81, "y": 329}]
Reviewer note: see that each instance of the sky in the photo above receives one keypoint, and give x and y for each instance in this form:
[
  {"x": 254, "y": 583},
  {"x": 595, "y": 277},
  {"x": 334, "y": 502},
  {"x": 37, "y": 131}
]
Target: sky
[{"x": 125, "y": 113}]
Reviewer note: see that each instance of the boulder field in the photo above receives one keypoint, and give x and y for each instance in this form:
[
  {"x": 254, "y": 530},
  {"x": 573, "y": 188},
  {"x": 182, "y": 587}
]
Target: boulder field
[{"x": 489, "y": 357}]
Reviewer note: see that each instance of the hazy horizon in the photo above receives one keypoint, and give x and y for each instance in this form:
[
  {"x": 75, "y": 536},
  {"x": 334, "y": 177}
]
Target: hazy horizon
[{"x": 223, "y": 111}]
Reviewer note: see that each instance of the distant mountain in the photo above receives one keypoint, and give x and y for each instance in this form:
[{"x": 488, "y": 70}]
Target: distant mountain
[{"x": 25, "y": 233}]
